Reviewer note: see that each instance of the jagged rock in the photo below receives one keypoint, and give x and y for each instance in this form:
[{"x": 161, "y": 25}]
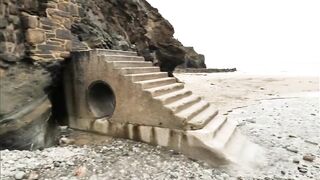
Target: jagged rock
[
  {"x": 133, "y": 25},
  {"x": 309, "y": 157},
  {"x": 110, "y": 24},
  {"x": 24, "y": 109},
  {"x": 193, "y": 59},
  {"x": 21, "y": 85},
  {"x": 10, "y": 58}
]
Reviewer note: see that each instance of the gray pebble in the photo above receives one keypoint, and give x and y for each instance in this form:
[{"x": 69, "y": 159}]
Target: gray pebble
[
  {"x": 309, "y": 157},
  {"x": 292, "y": 149},
  {"x": 19, "y": 175},
  {"x": 296, "y": 161},
  {"x": 302, "y": 169}
]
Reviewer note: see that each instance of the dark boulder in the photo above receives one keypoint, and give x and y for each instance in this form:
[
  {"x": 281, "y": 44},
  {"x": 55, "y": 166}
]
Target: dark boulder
[
  {"x": 25, "y": 110},
  {"x": 193, "y": 59}
]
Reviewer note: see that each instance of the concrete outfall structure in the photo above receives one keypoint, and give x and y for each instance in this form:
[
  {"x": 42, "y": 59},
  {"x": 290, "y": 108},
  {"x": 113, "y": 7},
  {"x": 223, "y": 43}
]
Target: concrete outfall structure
[{"x": 117, "y": 93}]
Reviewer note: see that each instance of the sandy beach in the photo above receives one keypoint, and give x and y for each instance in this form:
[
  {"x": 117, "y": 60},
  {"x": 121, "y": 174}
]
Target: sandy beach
[
  {"x": 280, "y": 113},
  {"x": 233, "y": 90}
]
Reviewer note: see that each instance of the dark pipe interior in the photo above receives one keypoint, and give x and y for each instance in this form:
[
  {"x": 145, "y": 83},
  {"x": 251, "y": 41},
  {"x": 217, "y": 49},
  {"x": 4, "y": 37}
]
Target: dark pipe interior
[
  {"x": 57, "y": 95},
  {"x": 101, "y": 99}
]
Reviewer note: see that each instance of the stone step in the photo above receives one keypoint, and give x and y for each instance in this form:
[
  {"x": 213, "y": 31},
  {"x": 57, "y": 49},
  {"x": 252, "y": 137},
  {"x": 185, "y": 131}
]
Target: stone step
[
  {"x": 115, "y": 52},
  {"x": 215, "y": 125},
  {"x": 237, "y": 145},
  {"x": 240, "y": 149},
  {"x": 156, "y": 82},
  {"x": 138, "y": 70},
  {"x": 192, "y": 111},
  {"x": 202, "y": 119},
  {"x": 158, "y": 91},
  {"x": 183, "y": 103},
  {"x": 122, "y": 58},
  {"x": 173, "y": 96},
  {"x": 122, "y": 64},
  {"x": 146, "y": 76},
  {"x": 224, "y": 134}
]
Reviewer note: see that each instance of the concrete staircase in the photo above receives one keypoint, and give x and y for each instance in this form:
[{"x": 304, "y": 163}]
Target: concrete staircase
[
  {"x": 189, "y": 124},
  {"x": 190, "y": 110}
]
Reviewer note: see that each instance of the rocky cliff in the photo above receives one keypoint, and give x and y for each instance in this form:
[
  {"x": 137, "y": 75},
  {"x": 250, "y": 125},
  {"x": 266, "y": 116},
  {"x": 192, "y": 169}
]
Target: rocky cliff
[
  {"x": 36, "y": 36},
  {"x": 134, "y": 25}
]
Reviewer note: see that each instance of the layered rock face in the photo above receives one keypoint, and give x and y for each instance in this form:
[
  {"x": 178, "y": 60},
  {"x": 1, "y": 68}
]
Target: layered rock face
[
  {"x": 36, "y": 36},
  {"x": 193, "y": 59},
  {"x": 48, "y": 30},
  {"x": 133, "y": 24}
]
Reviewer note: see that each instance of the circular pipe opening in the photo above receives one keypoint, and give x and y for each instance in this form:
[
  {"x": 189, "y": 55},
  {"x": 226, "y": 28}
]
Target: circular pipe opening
[{"x": 101, "y": 99}]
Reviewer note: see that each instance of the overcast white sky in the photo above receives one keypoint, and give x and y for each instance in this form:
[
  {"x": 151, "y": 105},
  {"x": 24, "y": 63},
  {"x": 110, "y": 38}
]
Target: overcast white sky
[{"x": 238, "y": 33}]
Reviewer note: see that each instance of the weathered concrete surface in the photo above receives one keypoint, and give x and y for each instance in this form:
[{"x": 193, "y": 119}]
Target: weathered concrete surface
[
  {"x": 149, "y": 107},
  {"x": 131, "y": 99}
]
